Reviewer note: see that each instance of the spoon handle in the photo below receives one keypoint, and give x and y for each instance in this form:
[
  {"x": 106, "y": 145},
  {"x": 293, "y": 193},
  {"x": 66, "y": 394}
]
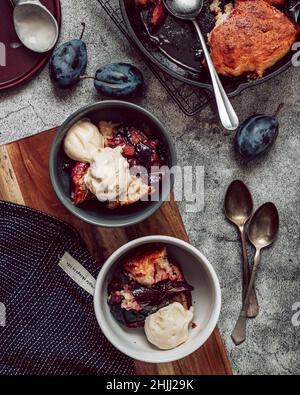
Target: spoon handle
[
  {"x": 227, "y": 114},
  {"x": 253, "y": 307},
  {"x": 239, "y": 333}
]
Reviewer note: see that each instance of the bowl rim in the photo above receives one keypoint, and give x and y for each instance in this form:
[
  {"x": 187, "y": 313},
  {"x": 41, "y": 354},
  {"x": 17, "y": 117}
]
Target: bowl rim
[
  {"x": 143, "y": 215},
  {"x": 213, "y": 320}
]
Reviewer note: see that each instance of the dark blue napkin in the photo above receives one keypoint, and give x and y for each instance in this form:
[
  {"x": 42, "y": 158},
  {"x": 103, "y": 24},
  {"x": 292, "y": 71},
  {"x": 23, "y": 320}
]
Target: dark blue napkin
[{"x": 50, "y": 326}]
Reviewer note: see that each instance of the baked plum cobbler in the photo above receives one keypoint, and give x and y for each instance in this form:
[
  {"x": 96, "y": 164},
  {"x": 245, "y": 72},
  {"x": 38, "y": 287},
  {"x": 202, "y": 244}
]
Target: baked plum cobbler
[
  {"x": 144, "y": 283},
  {"x": 103, "y": 160}
]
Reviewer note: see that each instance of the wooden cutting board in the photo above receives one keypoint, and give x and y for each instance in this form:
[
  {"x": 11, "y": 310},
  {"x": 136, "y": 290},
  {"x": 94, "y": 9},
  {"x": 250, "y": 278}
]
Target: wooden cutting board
[{"x": 24, "y": 179}]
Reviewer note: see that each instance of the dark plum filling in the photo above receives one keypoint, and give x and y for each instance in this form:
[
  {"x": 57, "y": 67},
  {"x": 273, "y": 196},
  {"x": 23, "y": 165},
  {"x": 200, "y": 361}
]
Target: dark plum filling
[
  {"x": 148, "y": 300},
  {"x": 138, "y": 148}
]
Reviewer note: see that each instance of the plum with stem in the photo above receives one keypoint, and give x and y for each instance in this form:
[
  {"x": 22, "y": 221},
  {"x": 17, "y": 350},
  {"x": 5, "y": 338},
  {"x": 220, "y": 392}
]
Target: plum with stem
[{"x": 68, "y": 62}]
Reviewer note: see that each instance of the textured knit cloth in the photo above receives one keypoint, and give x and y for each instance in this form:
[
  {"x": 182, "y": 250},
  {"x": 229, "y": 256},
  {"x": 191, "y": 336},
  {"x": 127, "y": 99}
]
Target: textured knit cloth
[{"x": 50, "y": 323}]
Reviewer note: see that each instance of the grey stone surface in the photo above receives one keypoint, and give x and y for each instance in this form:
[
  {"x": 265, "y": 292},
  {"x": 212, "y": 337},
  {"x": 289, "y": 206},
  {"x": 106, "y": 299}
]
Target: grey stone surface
[{"x": 272, "y": 346}]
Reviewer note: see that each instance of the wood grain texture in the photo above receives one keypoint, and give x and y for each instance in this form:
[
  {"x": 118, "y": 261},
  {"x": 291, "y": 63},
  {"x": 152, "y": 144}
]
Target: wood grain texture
[
  {"x": 9, "y": 188},
  {"x": 24, "y": 179}
]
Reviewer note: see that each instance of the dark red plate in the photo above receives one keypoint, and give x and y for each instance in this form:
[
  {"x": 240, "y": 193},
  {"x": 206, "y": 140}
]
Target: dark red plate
[{"x": 21, "y": 63}]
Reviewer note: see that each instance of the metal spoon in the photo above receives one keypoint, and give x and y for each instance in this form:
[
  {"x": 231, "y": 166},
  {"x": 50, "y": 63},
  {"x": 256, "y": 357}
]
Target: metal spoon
[
  {"x": 262, "y": 232},
  {"x": 189, "y": 10},
  {"x": 238, "y": 209},
  {"x": 35, "y": 26}
]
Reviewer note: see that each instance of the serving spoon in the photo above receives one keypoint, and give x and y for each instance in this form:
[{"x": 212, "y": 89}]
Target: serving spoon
[
  {"x": 189, "y": 10},
  {"x": 35, "y": 26},
  {"x": 238, "y": 210},
  {"x": 262, "y": 232}
]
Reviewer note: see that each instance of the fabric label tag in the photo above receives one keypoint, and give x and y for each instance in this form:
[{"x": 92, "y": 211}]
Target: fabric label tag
[
  {"x": 77, "y": 273},
  {"x": 2, "y": 315}
]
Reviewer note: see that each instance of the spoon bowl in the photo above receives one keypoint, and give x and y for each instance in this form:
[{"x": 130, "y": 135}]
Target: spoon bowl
[
  {"x": 35, "y": 26},
  {"x": 184, "y": 9},
  {"x": 238, "y": 203},
  {"x": 264, "y": 226}
]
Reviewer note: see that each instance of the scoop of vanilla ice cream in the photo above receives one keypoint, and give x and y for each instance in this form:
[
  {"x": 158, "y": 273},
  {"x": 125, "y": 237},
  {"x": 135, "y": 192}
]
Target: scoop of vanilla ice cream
[
  {"x": 108, "y": 176},
  {"x": 82, "y": 140},
  {"x": 169, "y": 326}
]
